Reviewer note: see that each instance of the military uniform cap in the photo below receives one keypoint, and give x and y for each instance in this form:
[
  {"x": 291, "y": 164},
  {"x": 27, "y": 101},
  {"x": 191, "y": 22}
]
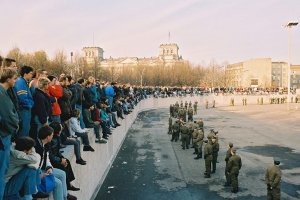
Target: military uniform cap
[{"x": 230, "y": 144}]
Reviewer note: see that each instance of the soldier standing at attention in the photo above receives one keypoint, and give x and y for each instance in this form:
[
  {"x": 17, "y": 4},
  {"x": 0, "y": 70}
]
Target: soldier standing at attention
[
  {"x": 170, "y": 125},
  {"x": 181, "y": 104},
  {"x": 186, "y": 105},
  {"x": 233, "y": 168},
  {"x": 198, "y": 136},
  {"x": 215, "y": 147},
  {"x": 195, "y": 107},
  {"x": 190, "y": 104},
  {"x": 201, "y": 124},
  {"x": 184, "y": 136},
  {"x": 175, "y": 131},
  {"x": 273, "y": 178},
  {"x": 190, "y": 114},
  {"x": 208, "y": 158},
  {"x": 228, "y": 155}
]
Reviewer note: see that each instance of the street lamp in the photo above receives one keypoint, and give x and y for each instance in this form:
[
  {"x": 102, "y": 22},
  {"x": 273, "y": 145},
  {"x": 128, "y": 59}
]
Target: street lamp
[{"x": 289, "y": 26}]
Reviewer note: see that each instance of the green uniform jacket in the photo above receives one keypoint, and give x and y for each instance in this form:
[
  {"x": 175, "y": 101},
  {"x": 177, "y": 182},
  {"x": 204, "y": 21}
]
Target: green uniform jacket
[
  {"x": 234, "y": 164},
  {"x": 198, "y": 136},
  {"x": 208, "y": 151},
  {"x": 273, "y": 176},
  {"x": 184, "y": 130},
  {"x": 228, "y": 155},
  {"x": 215, "y": 147},
  {"x": 176, "y": 127}
]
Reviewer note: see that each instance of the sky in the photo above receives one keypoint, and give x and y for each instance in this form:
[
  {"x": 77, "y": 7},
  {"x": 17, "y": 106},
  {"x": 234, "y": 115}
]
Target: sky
[{"x": 205, "y": 30}]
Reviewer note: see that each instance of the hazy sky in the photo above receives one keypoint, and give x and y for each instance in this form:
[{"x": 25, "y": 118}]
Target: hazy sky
[{"x": 224, "y": 30}]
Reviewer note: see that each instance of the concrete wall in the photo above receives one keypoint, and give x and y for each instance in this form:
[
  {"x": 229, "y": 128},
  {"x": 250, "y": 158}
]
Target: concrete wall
[{"x": 90, "y": 177}]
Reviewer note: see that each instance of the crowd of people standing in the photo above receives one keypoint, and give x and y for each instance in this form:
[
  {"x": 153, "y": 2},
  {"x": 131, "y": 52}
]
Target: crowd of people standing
[{"x": 40, "y": 114}]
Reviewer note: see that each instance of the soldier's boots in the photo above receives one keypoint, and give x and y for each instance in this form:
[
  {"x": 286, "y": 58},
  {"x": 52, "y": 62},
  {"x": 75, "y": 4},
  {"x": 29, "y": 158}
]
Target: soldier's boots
[
  {"x": 207, "y": 176},
  {"x": 213, "y": 171},
  {"x": 198, "y": 157}
]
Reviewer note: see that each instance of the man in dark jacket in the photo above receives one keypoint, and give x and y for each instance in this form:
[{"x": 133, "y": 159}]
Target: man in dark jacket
[
  {"x": 64, "y": 101},
  {"x": 57, "y": 159},
  {"x": 79, "y": 90},
  {"x": 9, "y": 121}
]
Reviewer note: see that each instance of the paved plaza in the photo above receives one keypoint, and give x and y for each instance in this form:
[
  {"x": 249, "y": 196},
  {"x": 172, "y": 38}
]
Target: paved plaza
[{"x": 151, "y": 167}]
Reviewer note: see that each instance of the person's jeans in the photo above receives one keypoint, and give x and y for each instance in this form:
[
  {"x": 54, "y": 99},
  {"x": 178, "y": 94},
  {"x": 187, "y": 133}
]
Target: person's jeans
[
  {"x": 85, "y": 138},
  {"x": 26, "y": 179},
  {"x": 110, "y": 100},
  {"x": 4, "y": 161},
  {"x": 82, "y": 125},
  {"x": 60, "y": 191},
  {"x": 55, "y": 118},
  {"x": 25, "y": 116},
  {"x": 76, "y": 143}
]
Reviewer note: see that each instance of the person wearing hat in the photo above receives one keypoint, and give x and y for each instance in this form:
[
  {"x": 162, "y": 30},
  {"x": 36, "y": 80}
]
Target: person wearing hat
[
  {"x": 228, "y": 155},
  {"x": 215, "y": 148},
  {"x": 198, "y": 136},
  {"x": 184, "y": 136},
  {"x": 175, "y": 130},
  {"x": 273, "y": 178},
  {"x": 233, "y": 168},
  {"x": 208, "y": 157}
]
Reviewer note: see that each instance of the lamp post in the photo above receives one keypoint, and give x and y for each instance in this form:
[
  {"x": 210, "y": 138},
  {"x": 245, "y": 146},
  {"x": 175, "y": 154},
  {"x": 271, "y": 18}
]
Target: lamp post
[{"x": 289, "y": 26}]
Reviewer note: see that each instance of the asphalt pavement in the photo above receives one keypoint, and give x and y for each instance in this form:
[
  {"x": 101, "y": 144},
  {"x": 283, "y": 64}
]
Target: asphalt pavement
[{"x": 151, "y": 167}]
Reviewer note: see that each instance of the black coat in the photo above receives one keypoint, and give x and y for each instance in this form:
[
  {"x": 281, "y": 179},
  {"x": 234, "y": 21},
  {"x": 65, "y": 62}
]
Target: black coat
[{"x": 42, "y": 105}]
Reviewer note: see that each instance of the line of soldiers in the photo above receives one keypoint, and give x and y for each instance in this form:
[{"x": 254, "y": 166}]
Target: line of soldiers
[
  {"x": 181, "y": 112},
  {"x": 192, "y": 132}
]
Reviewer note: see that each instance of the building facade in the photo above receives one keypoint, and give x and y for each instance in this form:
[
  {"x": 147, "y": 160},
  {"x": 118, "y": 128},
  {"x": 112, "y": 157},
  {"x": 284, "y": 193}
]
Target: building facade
[
  {"x": 295, "y": 76},
  {"x": 250, "y": 73},
  {"x": 168, "y": 56}
]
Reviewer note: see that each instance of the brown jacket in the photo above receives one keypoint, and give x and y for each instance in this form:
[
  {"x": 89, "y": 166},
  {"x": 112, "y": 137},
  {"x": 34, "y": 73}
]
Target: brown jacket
[{"x": 273, "y": 176}]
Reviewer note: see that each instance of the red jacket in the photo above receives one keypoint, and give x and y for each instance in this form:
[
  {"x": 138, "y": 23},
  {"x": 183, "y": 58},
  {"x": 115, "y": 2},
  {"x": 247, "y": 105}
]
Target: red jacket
[{"x": 57, "y": 92}]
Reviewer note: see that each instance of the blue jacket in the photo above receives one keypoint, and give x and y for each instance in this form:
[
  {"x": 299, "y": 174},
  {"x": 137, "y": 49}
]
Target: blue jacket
[
  {"x": 94, "y": 93},
  {"x": 109, "y": 91},
  {"x": 24, "y": 94},
  {"x": 9, "y": 119}
]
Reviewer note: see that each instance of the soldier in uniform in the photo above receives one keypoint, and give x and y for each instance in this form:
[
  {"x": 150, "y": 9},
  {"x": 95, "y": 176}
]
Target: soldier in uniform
[
  {"x": 206, "y": 104},
  {"x": 170, "y": 125},
  {"x": 186, "y": 105},
  {"x": 195, "y": 107},
  {"x": 184, "y": 136},
  {"x": 171, "y": 111},
  {"x": 228, "y": 155},
  {"x": 215, "y": 147},
  {"x": 198, "y": 136},
  {"x": 200, "y": 124},
  {"x": 175, "y": 131},
  {"x": 190, "y": 114},
  {"x": 214, "y": 104},
  {"x": 208, "y": 158},
  {"x": 212, "y": 134},
  {"x": 181, "y": 104},
  {"x": 176, "y": 108},
  {"x": 273, "y": 178},
  {"x": 233, "y": 168},
  {"x": 190, "y": 104}
]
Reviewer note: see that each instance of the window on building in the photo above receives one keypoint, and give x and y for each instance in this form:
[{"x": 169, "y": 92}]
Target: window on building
[{"x": 254, "y": 81}]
